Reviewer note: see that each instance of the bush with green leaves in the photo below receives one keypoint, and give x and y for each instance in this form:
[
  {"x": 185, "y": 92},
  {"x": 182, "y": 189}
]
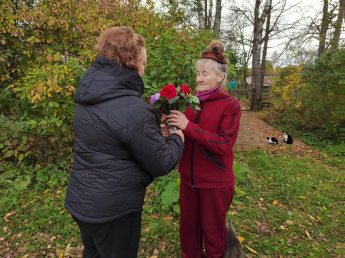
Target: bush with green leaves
[
  {"x": 22, "y": 176},
  {"x": 310, "y": 99},
  {"x": 323, "y": 102},
  {"x": 171, "y": 58}
]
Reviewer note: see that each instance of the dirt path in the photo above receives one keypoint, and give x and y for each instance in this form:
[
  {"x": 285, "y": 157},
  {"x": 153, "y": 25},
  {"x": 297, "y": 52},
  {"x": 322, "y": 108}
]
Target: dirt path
[{"x": 253, "y": 132}]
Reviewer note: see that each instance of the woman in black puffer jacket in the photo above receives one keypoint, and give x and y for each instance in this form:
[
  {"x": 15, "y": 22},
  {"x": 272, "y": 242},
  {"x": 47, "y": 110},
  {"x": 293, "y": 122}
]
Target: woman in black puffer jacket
[{"x": 119, "y": 147}]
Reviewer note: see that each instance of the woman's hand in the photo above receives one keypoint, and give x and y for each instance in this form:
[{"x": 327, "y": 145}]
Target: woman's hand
[
  {"x": 165, "y": 129},
  {"x": 177, "y": 119},
  {"x": 164, "y": 118}
]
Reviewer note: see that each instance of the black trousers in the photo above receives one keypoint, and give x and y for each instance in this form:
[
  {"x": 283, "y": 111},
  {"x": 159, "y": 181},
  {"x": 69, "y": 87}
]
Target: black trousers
[{"x": 116, "y": 239}]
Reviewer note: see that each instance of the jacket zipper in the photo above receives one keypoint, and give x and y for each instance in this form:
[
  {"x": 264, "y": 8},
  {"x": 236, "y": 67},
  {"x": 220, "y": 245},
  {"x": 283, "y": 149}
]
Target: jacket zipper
[{"x": 191, "y": 162}]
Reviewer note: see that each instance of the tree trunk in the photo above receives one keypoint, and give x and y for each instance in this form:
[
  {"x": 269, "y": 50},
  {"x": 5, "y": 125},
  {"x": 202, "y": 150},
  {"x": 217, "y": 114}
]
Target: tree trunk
[
  {"x": 210, "y": 14},
  {"x": 217, "y": 17},
  {"x": 257, "y": 41},
  {"x": 205, "y": 7},
  {"x": 338, "y": 24},
  {"x": 324, "y": 28},
  {"x": 201, "y": 17},
  {"x": 264, "y": 52}
]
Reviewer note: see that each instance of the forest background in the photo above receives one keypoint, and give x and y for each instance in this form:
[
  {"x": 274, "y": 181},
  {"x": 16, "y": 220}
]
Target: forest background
[{"x": 46, "y": 46}]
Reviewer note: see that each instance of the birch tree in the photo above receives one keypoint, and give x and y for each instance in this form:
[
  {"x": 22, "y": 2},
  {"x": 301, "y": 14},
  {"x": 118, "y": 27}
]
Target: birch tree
[{"x": 217, "y": 18}]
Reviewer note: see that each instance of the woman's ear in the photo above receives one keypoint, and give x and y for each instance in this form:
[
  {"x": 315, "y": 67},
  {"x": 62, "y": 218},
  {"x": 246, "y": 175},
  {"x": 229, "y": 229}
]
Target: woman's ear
[{"x": 221, "y": 77}]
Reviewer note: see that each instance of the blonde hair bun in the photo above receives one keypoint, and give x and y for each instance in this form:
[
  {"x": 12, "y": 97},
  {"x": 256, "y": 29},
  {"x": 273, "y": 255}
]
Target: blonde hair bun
[{"x": 217, "y": 46}]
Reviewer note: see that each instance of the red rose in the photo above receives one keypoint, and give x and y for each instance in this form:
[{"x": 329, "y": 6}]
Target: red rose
[
  {"x": 168, "y": 91},
  {"x": 184, "y": 88}
]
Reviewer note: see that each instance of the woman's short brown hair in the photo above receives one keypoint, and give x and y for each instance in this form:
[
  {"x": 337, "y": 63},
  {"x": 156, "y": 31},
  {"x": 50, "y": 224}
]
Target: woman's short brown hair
[{"x": 122, "y": 45}]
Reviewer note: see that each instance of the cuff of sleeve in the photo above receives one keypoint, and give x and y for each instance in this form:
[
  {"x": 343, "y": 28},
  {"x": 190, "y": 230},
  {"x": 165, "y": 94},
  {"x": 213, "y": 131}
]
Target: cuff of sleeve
[
  {"x": 189, "y": 128},
  {"x": 177, "y": 137}
]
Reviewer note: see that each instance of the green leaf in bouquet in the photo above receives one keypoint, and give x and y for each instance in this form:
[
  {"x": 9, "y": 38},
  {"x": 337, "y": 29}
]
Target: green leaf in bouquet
[
  {"x": 157, "y": 104},
  {"x": 182, "y": 107},
  {"x": 163, "y": 99},
  {"x": 194, "y": 99},
  {"x": 172, "y": 100}
]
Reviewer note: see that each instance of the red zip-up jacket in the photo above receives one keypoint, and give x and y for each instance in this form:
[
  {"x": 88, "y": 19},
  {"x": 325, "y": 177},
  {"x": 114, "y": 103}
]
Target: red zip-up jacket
[{"x": 210, "y": 136}]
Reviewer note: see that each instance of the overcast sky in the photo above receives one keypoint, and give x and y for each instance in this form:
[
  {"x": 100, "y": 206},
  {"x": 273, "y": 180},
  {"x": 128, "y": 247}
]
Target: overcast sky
[{"x": 300, "y": 11}]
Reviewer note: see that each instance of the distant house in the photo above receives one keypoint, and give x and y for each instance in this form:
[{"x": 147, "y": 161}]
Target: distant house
[{"x": 268, "y": 78}]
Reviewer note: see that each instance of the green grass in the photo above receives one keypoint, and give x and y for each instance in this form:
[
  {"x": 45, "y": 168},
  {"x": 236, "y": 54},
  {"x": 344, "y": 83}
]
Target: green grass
[{"x": 290, "y": 205}]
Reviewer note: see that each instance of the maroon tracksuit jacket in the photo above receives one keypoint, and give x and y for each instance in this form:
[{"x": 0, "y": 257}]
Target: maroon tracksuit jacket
[{"x": 210, "y": 136}]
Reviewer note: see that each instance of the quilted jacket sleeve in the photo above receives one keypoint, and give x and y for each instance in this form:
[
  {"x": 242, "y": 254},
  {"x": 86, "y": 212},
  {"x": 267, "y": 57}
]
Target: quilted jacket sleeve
[
  {"x": 222, "y": 141},
  {"x": 155, "y": 154}
]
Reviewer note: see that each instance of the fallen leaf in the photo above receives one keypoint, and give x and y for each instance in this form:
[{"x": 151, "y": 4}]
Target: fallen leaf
[
  {"x": 251, "y": 249},
  {"x": 302, "y": 197},
  {"x": 241, "y": 239},
  {"x": 168, "y": 219},
  {"x": 275, "y": 202},
  {"x": 307, "y": 233},
  {"x": 247, "y": 228},
  {"x": 289, "y": 222},
  {"x": 66, "y": 250},
  {"x": 312, "y": 217},
  {"x": 8, "y": 215}
]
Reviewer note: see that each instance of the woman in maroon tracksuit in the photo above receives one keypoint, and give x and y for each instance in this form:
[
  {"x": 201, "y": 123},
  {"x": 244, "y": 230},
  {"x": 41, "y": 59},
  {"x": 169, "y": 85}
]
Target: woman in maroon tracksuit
[{"x": 207, "y": 178}]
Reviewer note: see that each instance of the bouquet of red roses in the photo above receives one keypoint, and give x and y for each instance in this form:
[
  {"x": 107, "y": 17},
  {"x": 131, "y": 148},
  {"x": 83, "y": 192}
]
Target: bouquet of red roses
[{"x": 172, "y": 98}]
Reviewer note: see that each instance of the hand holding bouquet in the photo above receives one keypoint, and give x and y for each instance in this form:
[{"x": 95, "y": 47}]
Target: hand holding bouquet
[{"x": 172, "y": 98}]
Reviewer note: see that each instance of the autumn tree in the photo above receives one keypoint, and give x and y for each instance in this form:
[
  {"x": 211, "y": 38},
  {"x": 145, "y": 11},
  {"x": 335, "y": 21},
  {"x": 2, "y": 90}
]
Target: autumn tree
[{"x": 45, "y": 48}]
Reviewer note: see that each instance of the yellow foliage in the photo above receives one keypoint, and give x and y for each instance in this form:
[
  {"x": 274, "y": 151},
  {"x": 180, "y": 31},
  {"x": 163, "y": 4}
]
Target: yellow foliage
[{"x": 288, "y": 88}]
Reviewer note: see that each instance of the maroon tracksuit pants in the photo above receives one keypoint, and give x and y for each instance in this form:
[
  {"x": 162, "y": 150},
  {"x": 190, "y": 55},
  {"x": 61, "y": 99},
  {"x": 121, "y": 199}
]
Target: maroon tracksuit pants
[{"x": 203, "y": 220}]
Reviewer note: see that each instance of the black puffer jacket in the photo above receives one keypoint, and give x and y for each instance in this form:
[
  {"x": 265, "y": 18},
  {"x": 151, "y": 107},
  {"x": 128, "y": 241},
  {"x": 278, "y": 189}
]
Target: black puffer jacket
[{"x": 119, "y": 147}]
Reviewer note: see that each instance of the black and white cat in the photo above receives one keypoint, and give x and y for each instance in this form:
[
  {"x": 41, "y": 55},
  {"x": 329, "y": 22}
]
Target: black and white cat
[
  {"x": 287, "y": 138},
  {"x": 272, "y": 140}
]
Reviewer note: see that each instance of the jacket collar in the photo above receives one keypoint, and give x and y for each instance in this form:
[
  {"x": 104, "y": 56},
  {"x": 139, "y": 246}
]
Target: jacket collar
[
  {"x": 106, "y": 80},
  {"x": 221, "y": 93}
]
